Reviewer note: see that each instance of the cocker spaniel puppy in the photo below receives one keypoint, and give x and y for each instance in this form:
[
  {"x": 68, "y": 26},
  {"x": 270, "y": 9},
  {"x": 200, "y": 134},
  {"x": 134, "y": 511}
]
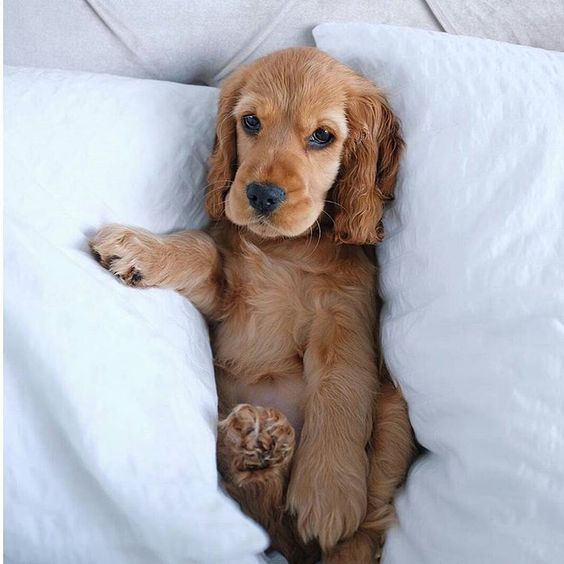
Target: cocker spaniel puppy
[{"x": 313, "y": 438}]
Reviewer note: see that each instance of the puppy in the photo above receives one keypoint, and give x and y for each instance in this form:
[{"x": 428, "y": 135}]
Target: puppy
[{"x": 313, "y": 438}]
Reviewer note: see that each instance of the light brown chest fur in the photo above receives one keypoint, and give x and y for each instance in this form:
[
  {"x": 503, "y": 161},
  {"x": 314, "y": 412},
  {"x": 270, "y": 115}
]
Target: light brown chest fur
[{"x": 272, "y": 294}]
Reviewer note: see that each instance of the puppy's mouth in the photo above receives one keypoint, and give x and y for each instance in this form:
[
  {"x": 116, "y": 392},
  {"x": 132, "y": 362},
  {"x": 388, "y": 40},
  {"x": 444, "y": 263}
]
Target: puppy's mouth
[
  {"x": 260, "y": 224},
  {"x": 273, "y": 225},
  {"x": 244, "y": 216},
  {"x": 264, "y": 226}
]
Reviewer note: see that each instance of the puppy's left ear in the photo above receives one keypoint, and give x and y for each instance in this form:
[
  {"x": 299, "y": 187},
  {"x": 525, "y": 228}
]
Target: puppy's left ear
[{"x": 369, "y": 166}]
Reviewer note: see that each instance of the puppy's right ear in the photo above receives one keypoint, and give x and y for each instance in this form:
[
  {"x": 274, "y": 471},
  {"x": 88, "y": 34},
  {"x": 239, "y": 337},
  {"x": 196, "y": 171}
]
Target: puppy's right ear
[{"x": 223, "y": 160}]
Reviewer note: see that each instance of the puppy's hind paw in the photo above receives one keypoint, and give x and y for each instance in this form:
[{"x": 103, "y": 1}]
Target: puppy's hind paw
[{"x": 258, "y": 441}]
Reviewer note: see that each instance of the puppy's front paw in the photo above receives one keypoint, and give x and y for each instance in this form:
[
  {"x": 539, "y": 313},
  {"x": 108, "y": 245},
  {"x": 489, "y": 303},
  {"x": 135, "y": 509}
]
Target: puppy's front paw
[
  {"x": 329, "y": 498},
  {"x": 131, "y": 254},
  {"x": 257, "y": 442}
]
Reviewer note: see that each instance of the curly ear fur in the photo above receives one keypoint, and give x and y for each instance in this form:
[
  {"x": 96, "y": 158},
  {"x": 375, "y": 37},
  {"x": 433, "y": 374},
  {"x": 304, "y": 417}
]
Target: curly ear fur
[
  {"x": 223, "y": 160},
  {"x": 369, "y": 167}
]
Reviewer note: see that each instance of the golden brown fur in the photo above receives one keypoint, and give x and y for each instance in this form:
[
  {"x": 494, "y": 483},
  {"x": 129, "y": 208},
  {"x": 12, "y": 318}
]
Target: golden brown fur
[{"x": 313, "y": 438}]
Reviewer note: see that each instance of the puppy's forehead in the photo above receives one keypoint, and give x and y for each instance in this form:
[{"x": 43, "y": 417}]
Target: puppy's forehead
[{"x": 297, "y": 87}]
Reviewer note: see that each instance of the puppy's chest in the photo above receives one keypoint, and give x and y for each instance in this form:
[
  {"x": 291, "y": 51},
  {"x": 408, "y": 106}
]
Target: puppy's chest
[{"x": 268, "y": 309}]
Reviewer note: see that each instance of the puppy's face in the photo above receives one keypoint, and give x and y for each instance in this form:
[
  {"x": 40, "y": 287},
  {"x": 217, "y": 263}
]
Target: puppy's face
[
  {"x": 297, "y": 142},
  {"x": 289, "y": 145}
]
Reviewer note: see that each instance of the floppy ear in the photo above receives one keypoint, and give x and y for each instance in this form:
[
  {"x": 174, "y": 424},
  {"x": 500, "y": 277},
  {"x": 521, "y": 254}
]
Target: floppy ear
[
  {"x": 223, "y": 160},
  {"x": 369, "y": 166}
]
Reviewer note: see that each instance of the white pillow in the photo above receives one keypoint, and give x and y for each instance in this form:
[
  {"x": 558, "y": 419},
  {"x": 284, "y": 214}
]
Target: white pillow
[
  {"x": 473, "y": 280},
  {"x": 110, "y": 396}
]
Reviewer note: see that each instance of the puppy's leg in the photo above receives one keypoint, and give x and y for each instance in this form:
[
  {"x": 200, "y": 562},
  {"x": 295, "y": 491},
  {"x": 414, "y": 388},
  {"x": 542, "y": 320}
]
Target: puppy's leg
[
  {"x": 255, "y": 449},
  {"x": 187, "y": 261},
  {"x": 391, "y": 453},
  {"x": 328, "y": 486}
]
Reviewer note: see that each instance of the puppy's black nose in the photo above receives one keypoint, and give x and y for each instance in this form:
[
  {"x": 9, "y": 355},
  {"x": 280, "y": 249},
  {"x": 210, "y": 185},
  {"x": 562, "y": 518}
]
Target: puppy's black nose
[{"x": 265, "y": 198}]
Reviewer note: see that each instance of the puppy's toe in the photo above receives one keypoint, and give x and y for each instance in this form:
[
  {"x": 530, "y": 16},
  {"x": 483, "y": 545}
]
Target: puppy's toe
[
  {"x": 127, "y": 253},
  {"x": 127, "y": 270}
]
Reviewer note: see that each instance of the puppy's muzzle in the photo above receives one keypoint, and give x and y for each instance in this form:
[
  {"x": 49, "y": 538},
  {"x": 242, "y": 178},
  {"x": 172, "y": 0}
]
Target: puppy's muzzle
[{"x": 265, "y": 198}]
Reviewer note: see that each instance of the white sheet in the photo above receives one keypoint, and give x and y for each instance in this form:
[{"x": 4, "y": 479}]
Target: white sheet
[
  {"x": 110, "y": 407},
  {"x": 472, "y": 273}
]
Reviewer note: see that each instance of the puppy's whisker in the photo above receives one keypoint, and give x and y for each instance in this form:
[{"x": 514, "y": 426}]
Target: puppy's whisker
[
  {"x": 334, "y": 203},
  {"x": 221, "y": 186},
  {"x": 329, "y": 216},
  {"x": 212, "y": 190},
  {"x": 318, "y": 225},
  {"x": 310, "y": 235}
]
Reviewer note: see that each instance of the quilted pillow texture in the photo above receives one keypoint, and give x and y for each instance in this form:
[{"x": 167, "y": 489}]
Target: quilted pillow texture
[
  {"x": 110, "y": 396},
  {"x": 472, "y": 274}
]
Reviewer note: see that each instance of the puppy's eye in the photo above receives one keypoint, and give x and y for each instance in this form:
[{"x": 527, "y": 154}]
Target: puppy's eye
[
  {"x": 321, "y": 138},
  {"x": 251, "y": 124}
]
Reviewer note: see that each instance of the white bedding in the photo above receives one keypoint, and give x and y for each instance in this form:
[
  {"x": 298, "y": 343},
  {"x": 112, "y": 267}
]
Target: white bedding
[
  {"x": 472, "y": 273},
  {"x": 110, "y": 406},
  {"x": 110, "y": 401}
]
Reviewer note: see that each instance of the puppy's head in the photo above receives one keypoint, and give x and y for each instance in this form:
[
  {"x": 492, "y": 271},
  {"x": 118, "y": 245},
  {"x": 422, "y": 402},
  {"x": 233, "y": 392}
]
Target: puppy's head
[{"x": 300, "y": 138}]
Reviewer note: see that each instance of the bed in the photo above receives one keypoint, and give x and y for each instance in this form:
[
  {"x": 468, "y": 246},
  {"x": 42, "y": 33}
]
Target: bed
[{"x": 109, "y": 394}]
